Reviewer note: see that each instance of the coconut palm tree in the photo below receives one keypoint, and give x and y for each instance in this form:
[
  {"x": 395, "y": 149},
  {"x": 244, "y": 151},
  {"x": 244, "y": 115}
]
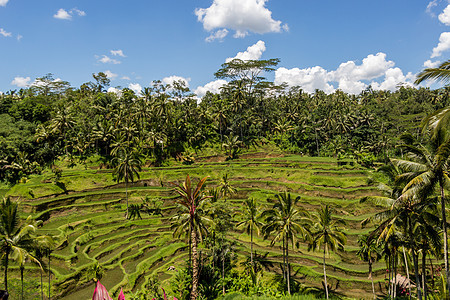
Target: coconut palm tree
[
  {"x": 190, "y": 200},
  {"x": 285, "y": 220},
  {"x": 326, "y": 233},
  {"x": 250, "y": 221},
  {"x": 426, "y": 170},
  {"x": 16, "y": 240},
  {"x": 128, "y": 165},
  {"x": 370, "y": 252}
]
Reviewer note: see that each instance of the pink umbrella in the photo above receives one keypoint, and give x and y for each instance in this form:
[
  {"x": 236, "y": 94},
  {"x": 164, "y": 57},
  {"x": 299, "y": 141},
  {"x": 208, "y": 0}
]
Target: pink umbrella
[
  {"x": 100, "y": 293},
  {"x": 121, "y": 295}
]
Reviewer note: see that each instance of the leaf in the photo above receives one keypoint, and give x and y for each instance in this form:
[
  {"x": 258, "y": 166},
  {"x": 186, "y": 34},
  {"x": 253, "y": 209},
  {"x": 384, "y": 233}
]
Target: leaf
[{"x": 100, "y": 293}]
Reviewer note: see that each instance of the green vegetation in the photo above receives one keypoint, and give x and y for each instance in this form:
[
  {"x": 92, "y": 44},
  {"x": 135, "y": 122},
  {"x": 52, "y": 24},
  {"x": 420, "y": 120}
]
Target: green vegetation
[{"x": 268, "y": 167}]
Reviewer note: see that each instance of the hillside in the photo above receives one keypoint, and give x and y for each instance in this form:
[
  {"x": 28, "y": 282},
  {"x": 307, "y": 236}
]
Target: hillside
[{"x": 87, "y": 208}]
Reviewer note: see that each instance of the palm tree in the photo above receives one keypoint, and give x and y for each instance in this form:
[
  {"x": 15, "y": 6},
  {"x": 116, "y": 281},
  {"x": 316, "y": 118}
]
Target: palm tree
[
  {"x": 325, "y": 232},
  {"x": 441, "y": 73},
  {"x": 285, "y": 220},
  {"x": 190, "y": 201},
  {"x": 44, "y": 244},
  {"x": 225, "y": 187},
  {"x": 251, "y": 221},
  {"x": 127, "y": 168},
  {"x": 16, "y": 240},
  {"x": 426, "y": 170},
  {"x": 369, "y": 251}
]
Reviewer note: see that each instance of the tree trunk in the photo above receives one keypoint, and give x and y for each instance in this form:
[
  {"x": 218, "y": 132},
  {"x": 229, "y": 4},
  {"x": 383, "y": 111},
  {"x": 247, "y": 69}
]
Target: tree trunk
[
  {"x": 444, "y": 229},
  {"x": 251, "y": 248},
  {"x": 42, "y": 288},
  {"x": 6, "y": 270},
  {"x": 407, "y": 271},
  {"x": 21, "y": 280},
  {"x": 49, "y": 276},
  {"x": 126, "y": 196},
  {"x": 416, "y": 271},
  {"x": 288, "y": 270},
  {"x": 424, "y": 274},
  {"x": 394, "y": 262},
  {"x": 284, "y": 261},
  {"x": 371, "y": 278},
  {"x": 223, "y": 273},
  {"x": 325, "y": 272},
  {"x": 195, "y": 274}
]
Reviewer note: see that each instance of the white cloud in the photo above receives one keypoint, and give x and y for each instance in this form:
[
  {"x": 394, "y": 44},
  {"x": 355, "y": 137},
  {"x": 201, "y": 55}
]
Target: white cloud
[
  {"x": 21, "y": 81},
  {"x": 218, "y": 35},
  {"x": 108, "y": 60},
  {"x": 63, "y": 14},
  {"x": 117, "y": 53},
  {"x": 78, "y": 12},
  {"x": 135, "y": 87},
  {"x": 4, "y": 33},
  {"x": 110, "y": 75},
  {"x": 253, "y": 52},
  {"x": 125, "y": 78},
  {"x": 392, "y": 79},
  {"x": 241, "y": 16},
  {"x": 3, "y": 2},
  {"x": 430, "y": 6},
  {"x": 115, "y": 91},
  {"x": 444, "y": 45},
  {"x": 431, "y": 64},
  {"x": 308, "y": 79},
  {"x": 19, "y": 37},
  {"x": 372, "y": 66},
  {"x": 171, "y": 79},
  {"x": 213, "y": 87},
  {"x": 350, "y": 77},
  {"x": 444, "y": 17}
]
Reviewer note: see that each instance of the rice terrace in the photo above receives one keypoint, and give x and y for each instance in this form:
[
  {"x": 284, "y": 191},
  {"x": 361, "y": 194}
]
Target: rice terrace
[{"x": 89, "y": 215}]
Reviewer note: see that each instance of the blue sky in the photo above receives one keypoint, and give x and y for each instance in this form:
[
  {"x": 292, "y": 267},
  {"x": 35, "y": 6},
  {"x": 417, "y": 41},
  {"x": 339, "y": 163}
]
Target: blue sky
[{"x": 322, "y": 44}]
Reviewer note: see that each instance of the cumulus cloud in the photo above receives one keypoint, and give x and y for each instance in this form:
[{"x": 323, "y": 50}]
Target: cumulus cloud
[
  {"x": 444, "y": 17},
  {"x": 107, "y": 60},
  {"x": 309, "y": 79},
  {"x": 349, "y": 76},
  {"x": 392, "y": 79},
  {"x": 114, "y": 90},
  {"x": 372, "y": 66},
  {"x": 110, "y": 75},
  {"x": 21, "y": 82},
  {"x": 444, "y": 45},
  {"x": 3, "y": 2},
  {"x": 63, "y": 14},
  {"x": 171, "y": 79},
  {"x": 253, "y": 52},
  {"x": 117, "y": 53},
  {"x": 135, "y": 87},
  {"x": 431, "y": 64},
  {"x": 5, "y": 33},
  {"x": 213, "y": 87},
  {"x": 242, "y": 16},
  {"x": 218, "y": 35}
]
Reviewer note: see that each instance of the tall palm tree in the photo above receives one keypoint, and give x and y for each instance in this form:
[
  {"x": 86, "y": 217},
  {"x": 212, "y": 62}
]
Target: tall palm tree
[
  {"x": 190, "y": 200},
  {"x": 326, "y": 233},
  {"x": 128, "y": 167},
  {"x": 250, "y": 221},
  {"x": 370, "y": 252},
  {"x": 43, "y": 245},
  {"x": 426, "y": 170},
  {"x": 285, "y": 220},
  {"x": 16, "y": 240}
]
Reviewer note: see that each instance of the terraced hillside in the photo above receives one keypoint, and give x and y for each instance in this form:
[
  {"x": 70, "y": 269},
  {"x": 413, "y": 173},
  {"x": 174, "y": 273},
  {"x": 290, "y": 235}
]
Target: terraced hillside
[{"x": 86, "y": 211}]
